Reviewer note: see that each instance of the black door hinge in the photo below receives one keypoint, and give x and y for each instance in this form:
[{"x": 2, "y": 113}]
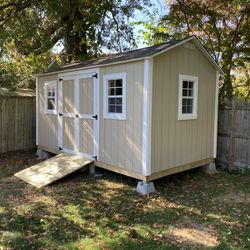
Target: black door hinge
[
  {"x": 77, "y": 115},
  {"x": 95, "y": 116},
  {"x": 60, "y": 79},
  {"x": 94, "y": 157},
  {"x": 60, "y": 149},
  {"x": 95, "y": 75},
  {"x": 60, "y": 114}
]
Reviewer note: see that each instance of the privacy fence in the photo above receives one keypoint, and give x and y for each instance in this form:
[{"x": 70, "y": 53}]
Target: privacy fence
[
  {"x": 234, "y": 135},
  {"x": 17, "y": 120}
]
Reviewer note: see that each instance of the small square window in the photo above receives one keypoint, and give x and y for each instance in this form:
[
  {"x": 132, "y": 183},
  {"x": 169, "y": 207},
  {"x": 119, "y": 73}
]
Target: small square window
[{"x": 114, "y": 96}]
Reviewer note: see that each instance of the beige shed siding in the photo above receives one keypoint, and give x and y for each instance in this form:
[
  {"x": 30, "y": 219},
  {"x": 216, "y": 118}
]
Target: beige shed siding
[
  {"x": 47, "y": 123},
  {"x": 121, "y": 140},
  {"x": 175, "y": 142}
]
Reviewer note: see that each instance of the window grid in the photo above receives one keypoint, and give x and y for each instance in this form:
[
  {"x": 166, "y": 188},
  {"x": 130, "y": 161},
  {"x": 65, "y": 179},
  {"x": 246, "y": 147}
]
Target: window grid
[
  {"x": 115, "y": 95},
  {"x": 187, "y": 97},
  {"x": 51, "y": 98}
]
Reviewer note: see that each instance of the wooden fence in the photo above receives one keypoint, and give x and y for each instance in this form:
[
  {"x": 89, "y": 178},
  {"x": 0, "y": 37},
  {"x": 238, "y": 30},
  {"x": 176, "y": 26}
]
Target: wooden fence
[
  {"x": 17, "y": 123},
  {"x": 234, "y": 135}
]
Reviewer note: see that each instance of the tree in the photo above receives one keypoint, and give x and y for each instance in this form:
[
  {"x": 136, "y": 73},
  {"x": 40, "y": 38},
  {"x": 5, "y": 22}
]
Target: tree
[
  {"x": 84, "y": 26},
  {"x": 222, "y": 26}
]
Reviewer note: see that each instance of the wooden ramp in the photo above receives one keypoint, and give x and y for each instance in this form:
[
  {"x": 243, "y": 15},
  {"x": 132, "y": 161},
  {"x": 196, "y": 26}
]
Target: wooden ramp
[{"x": 53, "y": 169}]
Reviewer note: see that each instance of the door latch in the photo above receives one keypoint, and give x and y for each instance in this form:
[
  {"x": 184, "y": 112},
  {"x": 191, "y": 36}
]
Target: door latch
[{"x": 95, "y": 116}]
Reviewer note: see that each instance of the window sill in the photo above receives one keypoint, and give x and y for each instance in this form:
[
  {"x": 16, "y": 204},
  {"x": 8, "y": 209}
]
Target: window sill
[
  {"x": 50, "y": 112},
  {"x": 187, "y": 117},
  {"x": 114, "y": 116}
]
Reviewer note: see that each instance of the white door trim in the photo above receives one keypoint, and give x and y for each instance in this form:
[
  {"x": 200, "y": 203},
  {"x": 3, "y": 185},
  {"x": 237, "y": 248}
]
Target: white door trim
[{"x": 76, "y": 76}]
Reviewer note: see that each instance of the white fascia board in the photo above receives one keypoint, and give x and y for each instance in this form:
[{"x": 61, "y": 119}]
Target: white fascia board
[
  {"x": 216, "y": 112},
  {"x": 147, "y": 117}
]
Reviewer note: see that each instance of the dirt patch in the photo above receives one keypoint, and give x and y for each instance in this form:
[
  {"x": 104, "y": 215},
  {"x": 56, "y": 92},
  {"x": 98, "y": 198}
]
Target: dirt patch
[
  {"x": 186, "y": 233},
  {"x": 235, "y": 197}
]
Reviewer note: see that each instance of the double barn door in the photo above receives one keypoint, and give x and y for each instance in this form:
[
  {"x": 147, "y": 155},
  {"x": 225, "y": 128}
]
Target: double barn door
[{"x": 78, "y": 115}]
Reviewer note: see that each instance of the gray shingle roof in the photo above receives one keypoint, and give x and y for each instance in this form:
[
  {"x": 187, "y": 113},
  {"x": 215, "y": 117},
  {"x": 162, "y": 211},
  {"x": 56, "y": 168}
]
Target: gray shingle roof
[{"x": 115, "y": 58}]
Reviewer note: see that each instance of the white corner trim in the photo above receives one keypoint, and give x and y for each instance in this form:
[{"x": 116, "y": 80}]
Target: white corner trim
[
  {"x": 54, "y": 84},
  {"x": 106, "y": 114},
  {"x": 216, "y": 112},
  {"x": 147, "y": 117},
  {"x": 194, "y": 115},
  {"x": 37, "y": 141}
]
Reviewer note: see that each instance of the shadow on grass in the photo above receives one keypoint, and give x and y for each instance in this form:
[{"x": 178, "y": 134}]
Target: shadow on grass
[{"x": 81, "y": 212}]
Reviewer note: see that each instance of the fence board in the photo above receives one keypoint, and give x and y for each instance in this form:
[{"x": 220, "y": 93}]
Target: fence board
[
  {"x": 17, "y": 123},
  {"x": 240, "y": 152}
]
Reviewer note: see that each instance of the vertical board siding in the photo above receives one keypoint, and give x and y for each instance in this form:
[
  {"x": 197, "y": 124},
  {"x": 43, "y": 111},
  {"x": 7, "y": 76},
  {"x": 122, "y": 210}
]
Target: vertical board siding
[
  {"x": 17, "y": 123},
  {"x": 242, "y": 134},
  {"x": 175, "y": 142},
  {"x": 121, "y": 140},
  {"x": 47, "y": 123}
]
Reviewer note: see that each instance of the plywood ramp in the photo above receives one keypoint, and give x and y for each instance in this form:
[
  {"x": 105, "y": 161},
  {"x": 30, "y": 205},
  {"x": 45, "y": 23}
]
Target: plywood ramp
[{"x": 53, "y": 169}]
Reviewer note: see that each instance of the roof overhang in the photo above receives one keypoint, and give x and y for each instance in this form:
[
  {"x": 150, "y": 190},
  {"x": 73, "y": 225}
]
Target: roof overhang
[{"x": 191, "y": 38}]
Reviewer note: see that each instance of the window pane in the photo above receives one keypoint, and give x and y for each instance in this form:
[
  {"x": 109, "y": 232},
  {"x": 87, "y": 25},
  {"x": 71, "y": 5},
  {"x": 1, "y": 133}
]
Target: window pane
[
  {"x": 119, "y": 109},
  {"x": 118, "y": 91},
  {"x": 189, "y": 109},
  {"x": 51, "y": 104},
  {"x": 119, "y": 83},
  {"x": 118, "y": 101},
  {"x": 184, "y": 92},
  {"x": 185, "y": 84},
  {"x": 111, "y": 91},
  {"x": 190, "y": 92},
  {"x": 111, "y": 83},
  {"x": 111, "y": 109},
  {"x": 111, "y": 101},
  {"x": 190, "y": 85}
]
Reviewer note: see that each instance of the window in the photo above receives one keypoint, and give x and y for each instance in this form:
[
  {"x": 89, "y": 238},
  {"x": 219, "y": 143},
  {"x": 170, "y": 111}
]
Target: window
[
  {"x": 115, "y": 96},
  {"x": 50, "y": 97},
  {"x": 188, "y": 97}
]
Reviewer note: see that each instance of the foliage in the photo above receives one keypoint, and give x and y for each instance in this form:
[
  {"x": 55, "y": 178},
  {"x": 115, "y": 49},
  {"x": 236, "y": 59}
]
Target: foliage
[
  {"x": 79, "y": 212},
  {"x": 84, "y": 26},
  {"x": 17, "y": 70},
  {"x": 222, "y": 26}
]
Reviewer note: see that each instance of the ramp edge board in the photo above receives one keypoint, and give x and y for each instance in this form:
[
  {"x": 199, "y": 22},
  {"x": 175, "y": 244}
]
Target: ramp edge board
[{"x": 53, "y": 169}]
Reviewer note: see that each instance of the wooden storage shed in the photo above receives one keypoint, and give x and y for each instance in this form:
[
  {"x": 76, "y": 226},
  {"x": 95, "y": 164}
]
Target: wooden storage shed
[{"x": 145, "y": 113}]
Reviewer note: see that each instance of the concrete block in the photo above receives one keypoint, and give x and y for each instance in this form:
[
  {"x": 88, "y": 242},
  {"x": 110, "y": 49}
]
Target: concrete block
[
  {"x": 92, "y": 169},
  {"x": 145, "y": 188},
  {"x": 43, "y": 155},
  {"x": 210, "y": 168}
]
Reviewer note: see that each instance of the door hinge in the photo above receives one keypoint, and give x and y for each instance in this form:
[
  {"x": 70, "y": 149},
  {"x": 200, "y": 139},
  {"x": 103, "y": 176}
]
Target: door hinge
[
  {"x": 60, "y": 149},
  {"x": 95, "y": 75},
  {"x": 95, "y": 116},
  {"x": 60, "y": 79},
  {"x": 94, "y": 157},
  {"x": 60, "y": 114},
  {"x": 77, "y": 115}
]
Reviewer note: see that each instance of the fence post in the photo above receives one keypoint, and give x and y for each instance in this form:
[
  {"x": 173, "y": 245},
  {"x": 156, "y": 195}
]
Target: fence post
[{"x": 232, "y": 148}]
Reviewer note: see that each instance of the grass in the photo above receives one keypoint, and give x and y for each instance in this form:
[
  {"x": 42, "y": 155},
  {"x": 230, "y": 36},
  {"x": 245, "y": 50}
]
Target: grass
[{"x": 190, "y": 210}]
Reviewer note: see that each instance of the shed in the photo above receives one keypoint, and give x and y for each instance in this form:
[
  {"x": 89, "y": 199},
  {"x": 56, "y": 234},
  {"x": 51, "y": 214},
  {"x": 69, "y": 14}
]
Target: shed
[{"x": 145, "y": 113}]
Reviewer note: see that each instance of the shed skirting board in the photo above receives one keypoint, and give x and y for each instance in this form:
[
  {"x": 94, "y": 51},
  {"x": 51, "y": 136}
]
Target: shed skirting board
[
  {"x": 138, "y": 176},
  {"x": 120, "y": 170},
  {"x": 179, "y": 169}
]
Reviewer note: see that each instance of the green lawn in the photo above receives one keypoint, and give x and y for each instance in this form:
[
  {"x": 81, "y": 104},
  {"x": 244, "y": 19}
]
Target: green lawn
[{"x": 190, "y": 211}]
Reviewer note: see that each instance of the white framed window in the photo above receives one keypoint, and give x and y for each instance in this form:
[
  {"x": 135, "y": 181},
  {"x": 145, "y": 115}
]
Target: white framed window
[
  {"x": 188, "y": 97},
  {"x": 114, "y": 94},
  {"x": 50, "y": 97}
]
